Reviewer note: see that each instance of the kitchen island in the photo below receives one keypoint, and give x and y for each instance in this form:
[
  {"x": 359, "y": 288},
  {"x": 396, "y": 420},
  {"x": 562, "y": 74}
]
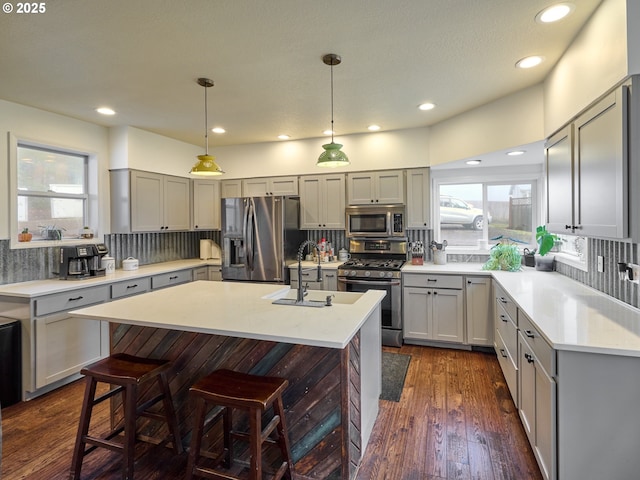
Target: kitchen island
[{"x": 330, "y": 355}]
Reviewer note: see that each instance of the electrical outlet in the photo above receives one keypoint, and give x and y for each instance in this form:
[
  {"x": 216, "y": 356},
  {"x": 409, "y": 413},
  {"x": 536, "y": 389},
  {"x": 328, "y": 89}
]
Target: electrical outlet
[{"x": 600, "y": 263}]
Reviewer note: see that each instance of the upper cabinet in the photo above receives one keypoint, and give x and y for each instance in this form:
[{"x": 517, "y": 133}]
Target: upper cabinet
[
  {"x": 382, "y": 187},
  {"x": 587, "y": 171},
  {"x": 206, "y": 204},
  {"x": 264, "y": 187},
  {"x": 231, "y": 188},
  {"x": 322, "y": 201},
  {"x": 418, "y": 213},
  {"x": 149, "y": 202}
]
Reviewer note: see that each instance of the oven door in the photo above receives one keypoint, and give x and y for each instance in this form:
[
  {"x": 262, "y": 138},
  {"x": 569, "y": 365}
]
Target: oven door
[{"x": 391, "y": 303}]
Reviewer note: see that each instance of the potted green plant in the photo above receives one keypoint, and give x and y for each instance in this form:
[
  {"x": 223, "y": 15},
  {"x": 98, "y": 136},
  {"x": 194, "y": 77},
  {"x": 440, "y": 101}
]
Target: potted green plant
[
  {"x": 504, "y": 256},
  {"x": 25, "y": 236},
  {"x": 546, "y": 241}
]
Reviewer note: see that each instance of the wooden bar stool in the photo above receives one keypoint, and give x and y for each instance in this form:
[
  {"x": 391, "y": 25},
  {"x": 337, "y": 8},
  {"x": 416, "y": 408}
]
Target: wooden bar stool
[
  {"x": 250, "y": 393},
  {"x": 125, "y": 373}
]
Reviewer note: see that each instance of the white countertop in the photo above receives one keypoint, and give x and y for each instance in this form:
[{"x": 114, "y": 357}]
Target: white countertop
[
  {"x": 238, "y": 309},
  {"x": 459, "y": 268},
  {"x": 37, "y": 288},
  {"x": 325, "y": 265}
]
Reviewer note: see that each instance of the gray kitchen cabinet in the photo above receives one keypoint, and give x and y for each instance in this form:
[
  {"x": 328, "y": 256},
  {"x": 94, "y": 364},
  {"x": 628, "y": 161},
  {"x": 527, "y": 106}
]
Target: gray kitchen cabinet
[
  {"x": 201, "y": 273},
  {"x": 231, "y": 188},
  {"x": 206, "y": 204},
  {"x": 268, "y": 186},
  {"x": 506, "y": 339},
  {"x": 322, "y": 201},
  {"x": 382, "y": 187},
  {"x": 214, "y": 273},
  {"x": 418, "y": 198},
  {"x": 148, "y": 202},
  {"x": 432, "y": 308},
  {"x": 479, "y": 310},
  {"x": 537, "y": 393},
  {"x": 590, "y": 155},
  {"x": 127, "y": 288},
  {"x": 169, "y": 279}
]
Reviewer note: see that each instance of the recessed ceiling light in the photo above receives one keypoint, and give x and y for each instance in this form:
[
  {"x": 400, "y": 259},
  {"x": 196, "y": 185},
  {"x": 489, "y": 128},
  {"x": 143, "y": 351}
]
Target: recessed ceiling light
[
  {"x": 473, "y": 162},
  {"x": 426, "y": 106},
  {"x": 329, "y": 132},
  {"x": 284, "y": 137},
  {"x": 555, "y": 12},
  {"x": 218, "y": 130},
  {"x": 373, "y": 128},
  {"x": 515, "y": 153},
  {"x": 105, "y": 111},
  {"x": 529, "y": 62}
]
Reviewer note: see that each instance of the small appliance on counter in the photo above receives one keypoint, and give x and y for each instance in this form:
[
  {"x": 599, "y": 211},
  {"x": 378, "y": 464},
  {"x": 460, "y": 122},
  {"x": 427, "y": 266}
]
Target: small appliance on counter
[{"x": 82, "y": 261}]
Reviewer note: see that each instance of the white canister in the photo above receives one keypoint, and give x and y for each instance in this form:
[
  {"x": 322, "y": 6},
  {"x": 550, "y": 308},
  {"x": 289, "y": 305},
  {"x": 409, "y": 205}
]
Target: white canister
[
  {"x": 109, "y": 264},
  {"x": 439, "y": 257},
  {"x": 130, "y": 263},
  {"x": 343, "y": 255}
]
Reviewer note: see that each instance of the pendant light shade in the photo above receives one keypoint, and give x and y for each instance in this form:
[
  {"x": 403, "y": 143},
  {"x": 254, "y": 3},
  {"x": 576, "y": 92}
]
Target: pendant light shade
[
  {"x": 332, "y": 155},
  {"x": 206, "y": 165}
]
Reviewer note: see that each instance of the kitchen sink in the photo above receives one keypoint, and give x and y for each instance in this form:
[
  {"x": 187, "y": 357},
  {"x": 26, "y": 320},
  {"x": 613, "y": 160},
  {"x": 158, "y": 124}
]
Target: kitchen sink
[{"x": 313, "y": 298}]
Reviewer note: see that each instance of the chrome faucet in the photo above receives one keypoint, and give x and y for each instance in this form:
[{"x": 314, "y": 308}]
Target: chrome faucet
[{"x": 301, "y": 289}]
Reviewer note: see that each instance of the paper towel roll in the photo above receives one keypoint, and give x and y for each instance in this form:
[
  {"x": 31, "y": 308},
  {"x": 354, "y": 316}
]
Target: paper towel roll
[{"x": 206, "y": 249}]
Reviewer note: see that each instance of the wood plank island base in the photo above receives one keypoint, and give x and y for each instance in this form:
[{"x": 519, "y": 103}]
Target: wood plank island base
[{"x": 331, "y": 357}]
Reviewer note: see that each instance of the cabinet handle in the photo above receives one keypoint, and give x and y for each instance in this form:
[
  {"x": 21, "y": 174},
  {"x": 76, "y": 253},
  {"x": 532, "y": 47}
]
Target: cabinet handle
[
  {"x": 469, "y": 282},
  {"x": 76, "y": 298},
  {"x": 504, "y": 318},
  {"x": 132, "y": 286},
  {"x": 529, "y": 333},
  {"x": 503, "y": 353},
  {"x": 568, "y": 227},
  {"x": 529, "y": 357},
  {"x": 435, "y": 293},
  {"x": 432, "y": 279},
  {"x": 429, "y": 292},
  {"x": 173, "y": 278},
  {"x": 502, "y": 300},
  {"x": 329, "y": 275}
]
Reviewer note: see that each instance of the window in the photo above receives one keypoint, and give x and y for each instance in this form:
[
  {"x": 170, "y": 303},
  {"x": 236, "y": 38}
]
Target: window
[{"x": 51, "y": 192}]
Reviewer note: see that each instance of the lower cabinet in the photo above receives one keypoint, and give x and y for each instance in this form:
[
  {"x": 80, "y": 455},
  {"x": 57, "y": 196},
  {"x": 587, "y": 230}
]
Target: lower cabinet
[
  {"x": 214, "y": 273},
  {"x": 478, "y": 310},
  {"x": 328, "y": 278},
  {"x": 432, "y": 314},
  {"x": 170, "y": 279}
]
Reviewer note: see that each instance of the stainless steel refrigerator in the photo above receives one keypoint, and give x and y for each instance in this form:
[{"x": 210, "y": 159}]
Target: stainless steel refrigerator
[{"x": 260, "y": 237}]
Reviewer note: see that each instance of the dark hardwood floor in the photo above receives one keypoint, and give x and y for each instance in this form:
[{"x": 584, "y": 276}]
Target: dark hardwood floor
[{"x": 455, "y": 420}]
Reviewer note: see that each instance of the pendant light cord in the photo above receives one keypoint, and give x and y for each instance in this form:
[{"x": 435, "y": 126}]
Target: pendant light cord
[
  {"x": 206, "y": 122},
  {"x": 332, "y": 102}
]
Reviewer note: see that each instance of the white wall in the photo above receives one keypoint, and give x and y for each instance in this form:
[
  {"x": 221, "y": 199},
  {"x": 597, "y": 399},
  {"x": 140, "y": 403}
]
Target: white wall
[
  {"x": 595, "y": 62},
  {"x": 38, "y": 126},
  {"x": 516, "y": 119}
]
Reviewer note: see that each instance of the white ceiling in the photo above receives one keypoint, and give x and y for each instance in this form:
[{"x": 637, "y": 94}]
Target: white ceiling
[{"x": 143, "y": 57}]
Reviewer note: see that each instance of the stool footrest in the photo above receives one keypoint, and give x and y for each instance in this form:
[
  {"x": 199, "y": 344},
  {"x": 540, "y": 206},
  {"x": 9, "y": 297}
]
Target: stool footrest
[
  {"x": 107, "y": 395},
  {"x": 104, "y": 443}
]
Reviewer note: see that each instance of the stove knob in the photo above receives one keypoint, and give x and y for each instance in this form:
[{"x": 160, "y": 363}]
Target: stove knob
[
  {"x": 381, "y": 274},
  {"x": 390, "y": 274},
  {"x": 367, "y": 273},
  {"x": 352, "y": 273}
]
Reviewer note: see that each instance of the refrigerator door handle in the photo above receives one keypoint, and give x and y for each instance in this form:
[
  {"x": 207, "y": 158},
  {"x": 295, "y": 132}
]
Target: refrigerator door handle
[{"x": 250, "y": 222}]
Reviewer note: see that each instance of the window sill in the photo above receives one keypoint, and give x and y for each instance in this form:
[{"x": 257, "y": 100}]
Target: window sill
[{"x": 571, "y": 260}]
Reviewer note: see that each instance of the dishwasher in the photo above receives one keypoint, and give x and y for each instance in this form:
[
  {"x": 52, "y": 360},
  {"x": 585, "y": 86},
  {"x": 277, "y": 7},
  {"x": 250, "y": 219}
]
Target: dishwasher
[{"x": 10, "y": 362}]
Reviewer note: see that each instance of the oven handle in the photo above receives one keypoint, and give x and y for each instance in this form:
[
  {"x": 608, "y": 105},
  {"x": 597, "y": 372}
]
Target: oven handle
[{"x": 369, "y": 282}]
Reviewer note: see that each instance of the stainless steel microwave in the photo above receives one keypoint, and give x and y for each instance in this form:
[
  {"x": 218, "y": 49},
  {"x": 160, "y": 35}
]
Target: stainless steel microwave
[{"x": 375, "y": 221}]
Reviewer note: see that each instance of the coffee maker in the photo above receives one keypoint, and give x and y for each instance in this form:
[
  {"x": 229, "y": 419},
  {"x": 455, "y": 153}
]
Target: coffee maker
[{"x": 82, "y": 261}]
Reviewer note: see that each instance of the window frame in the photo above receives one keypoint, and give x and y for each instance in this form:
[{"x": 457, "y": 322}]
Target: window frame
[{"x": 90, "y": 196}]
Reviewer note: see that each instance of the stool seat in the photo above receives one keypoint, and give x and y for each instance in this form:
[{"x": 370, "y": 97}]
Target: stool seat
[
  {"x": 124, "y": 373},
  {"x": 253, "y": 394}
]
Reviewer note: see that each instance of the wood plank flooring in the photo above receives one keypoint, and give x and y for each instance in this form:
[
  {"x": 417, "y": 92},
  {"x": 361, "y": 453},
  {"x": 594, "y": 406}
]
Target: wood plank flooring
[{"x": 455, "y": 420}]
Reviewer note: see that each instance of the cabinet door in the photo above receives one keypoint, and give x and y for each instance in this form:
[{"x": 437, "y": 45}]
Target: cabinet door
[
  {"x": 559, "y": 165},
  {"x": 231, "y": 188},
  {"x": 200, "y": 273},
  {"x": 360, "y": 188},
  {"x": 147, "y": 201},
  {"x": 601, "y": 168},
  {"x": 177, "y": 201},
  {"x": 418, "y": 205},
  {"x": 329, "y": 280},
  {"x": 479, "y": 302},
  {"x": 527, "y": 389},
  {"x": 390, "y": 187},
  {"x": 283, "y": 186},
  {"x": 334, "y": 201},
  {"x": 416, "y": 304},
  {"x": 215, "y": 273},
  {"x": 255, "y": 187},
  {"x": 206, "y": 205},
  {"x": 447, "y": 315},
  {"x": 65, "y": 344},
  {"x": 545, "y": 444},
  {"x": 311, "y": 200}
]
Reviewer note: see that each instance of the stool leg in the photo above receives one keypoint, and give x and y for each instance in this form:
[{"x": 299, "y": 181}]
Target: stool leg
[
  {"x": 83, "y": 428},
  {"x": 170, "y": 413},
  {"x": 283, "y": 439},
  {"x": 196, "y": 436},
  {"x": 255, "y": 432},
  {"x": 227, "y": 426},
  {"x": 130, "y": 398}
]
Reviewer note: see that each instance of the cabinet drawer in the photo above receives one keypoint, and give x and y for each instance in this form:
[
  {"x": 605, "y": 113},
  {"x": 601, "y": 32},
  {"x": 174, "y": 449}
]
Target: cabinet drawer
[
  {"x": 541, "y": 349},
  {"x": 132, "y": 287},
  {"x": 505, "y": 300},
  {"x": 432, "y": 281},
  {"x": 170, "y": 279},
  {"x": 508, "y": 331},
  {"x": 71, "y": 300},
  {"x": 508, "y": 366}
]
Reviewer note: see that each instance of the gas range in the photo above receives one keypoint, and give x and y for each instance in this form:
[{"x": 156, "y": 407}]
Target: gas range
[{"x": 371, "y": 268}]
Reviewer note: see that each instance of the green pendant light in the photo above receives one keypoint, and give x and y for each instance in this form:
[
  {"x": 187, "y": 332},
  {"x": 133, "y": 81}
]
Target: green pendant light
[
  {"x": 206, "y": 165},
  {"x": 332, "y": 155}
]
